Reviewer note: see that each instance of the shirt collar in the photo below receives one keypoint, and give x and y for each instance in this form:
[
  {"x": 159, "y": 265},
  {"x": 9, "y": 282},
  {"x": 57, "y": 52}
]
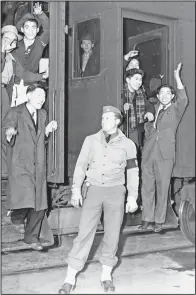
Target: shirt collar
[
  {"x": 30, "y": 108},
  {"x": 161, "y": 106}
]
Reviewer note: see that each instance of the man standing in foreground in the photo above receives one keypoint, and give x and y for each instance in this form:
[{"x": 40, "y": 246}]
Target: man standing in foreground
[{"x": 102, "y": 160}]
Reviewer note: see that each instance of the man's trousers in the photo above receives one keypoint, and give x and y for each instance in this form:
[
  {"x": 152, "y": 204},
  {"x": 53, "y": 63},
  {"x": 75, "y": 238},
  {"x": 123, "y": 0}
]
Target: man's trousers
[
  {"x": 111, "y": 201},
  {"x": 33, "y": 222},
  {"x": 156, "y": 175}
]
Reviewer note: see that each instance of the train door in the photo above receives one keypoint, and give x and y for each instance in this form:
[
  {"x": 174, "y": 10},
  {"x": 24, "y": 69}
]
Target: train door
[
  {"x": 152, "y": 40},
  {"x": 153, "y": 50}
]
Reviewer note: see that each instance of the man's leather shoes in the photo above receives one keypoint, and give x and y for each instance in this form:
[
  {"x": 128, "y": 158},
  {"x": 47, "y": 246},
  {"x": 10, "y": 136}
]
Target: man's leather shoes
[
  {"x": 108, "y": 286},
  {"x": 36, "y": 246},
  {"x": 145, "y": 225},
  {"x": 157, "y": 227},
  {"x": 66, "y": 288}
]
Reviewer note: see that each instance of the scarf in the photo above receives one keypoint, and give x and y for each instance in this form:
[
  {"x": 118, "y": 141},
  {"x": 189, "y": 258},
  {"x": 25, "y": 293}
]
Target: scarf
[{"x": 139, "y": 98}]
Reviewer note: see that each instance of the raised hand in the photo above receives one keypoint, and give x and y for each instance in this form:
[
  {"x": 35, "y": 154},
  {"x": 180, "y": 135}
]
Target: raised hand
[
  {"x": 37, "y": 8},
  {"x": 177, "y": 71},
  {"x": 177, "y": 76}
]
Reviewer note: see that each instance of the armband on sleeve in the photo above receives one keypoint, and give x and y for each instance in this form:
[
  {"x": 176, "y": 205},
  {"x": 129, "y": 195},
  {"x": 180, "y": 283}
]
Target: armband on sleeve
[{"x": 132, "y": 163}]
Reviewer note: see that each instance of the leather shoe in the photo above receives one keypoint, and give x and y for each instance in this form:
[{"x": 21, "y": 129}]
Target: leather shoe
[
  {"x": 36, "y": 246},
  {"x": 157, "y": 227},
  {"x": 108, "y": 286},
  {"x": 66, "y": 289},
  {"x": 145, "y": 225}
]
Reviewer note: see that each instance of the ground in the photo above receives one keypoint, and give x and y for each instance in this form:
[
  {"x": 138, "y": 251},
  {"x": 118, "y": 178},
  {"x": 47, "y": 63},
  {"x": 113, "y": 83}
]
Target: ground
[{"x": 164, "y": 272}]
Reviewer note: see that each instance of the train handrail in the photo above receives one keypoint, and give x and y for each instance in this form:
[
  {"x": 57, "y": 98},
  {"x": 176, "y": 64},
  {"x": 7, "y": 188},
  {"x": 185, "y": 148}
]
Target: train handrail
[{"x": 53, "y": 135}]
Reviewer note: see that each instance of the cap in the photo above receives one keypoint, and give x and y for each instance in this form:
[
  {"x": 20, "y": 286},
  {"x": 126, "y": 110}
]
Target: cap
[
  {"x": 87, "y": 37},
  {"x": 8, "y": 29},
  {"x": 107, "y": 109},
  {"x": 25, "y": 18}
]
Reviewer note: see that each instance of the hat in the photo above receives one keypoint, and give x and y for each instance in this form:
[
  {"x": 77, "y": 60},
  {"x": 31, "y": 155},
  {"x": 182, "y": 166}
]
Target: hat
[
  {"x": 107, "y": 109},
  {"x": 25, "y": 18},
  {"x": 132, "y": 72},
  {"x": 87, "y": 37},
  {"x": 8, "y": 29}
]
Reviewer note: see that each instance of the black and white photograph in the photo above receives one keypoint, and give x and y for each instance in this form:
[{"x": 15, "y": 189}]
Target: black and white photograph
[{"x": 97, "y": 147}]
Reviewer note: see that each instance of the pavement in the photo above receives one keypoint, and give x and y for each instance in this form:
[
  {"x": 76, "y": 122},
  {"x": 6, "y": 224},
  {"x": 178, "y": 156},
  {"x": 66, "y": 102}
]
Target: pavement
[
  {"x": 170, "y": 272},
  {"x": 129, "y": 244}
]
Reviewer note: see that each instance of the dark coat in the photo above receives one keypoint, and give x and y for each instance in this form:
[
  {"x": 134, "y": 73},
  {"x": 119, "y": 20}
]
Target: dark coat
[
  {"x": 167, "y": 124},
  {"x": 26, "y": 159},
  {"x": 93, "y": 65}
]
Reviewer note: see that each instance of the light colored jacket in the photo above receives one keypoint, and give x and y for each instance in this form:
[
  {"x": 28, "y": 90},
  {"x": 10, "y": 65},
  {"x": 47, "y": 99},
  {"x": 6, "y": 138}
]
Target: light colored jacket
[{"x": 103, "y": 164}]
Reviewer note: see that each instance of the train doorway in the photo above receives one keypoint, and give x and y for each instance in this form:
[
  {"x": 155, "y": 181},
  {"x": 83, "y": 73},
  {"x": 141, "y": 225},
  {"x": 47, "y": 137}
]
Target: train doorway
[{"x": 152, "y": 42}]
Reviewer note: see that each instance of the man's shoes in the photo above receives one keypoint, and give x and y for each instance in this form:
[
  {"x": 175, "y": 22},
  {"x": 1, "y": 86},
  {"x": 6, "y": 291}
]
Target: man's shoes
[
  {"x": 35, "y": 246},
  {"x": 157, "y": 227},
  {"x": 108, "y": 286},
  {"x": 66, "y": 289},
  {"x": 146, "y": 225}
]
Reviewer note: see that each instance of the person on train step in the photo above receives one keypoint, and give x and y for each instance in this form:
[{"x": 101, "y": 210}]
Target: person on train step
[
  {"x": 137, "y": 105},
  {"x": 9, "y": 39},
  {"x": 25, "y": 131},
  {"x": 30, "y": 49},
  {"x": 158, "y": 153},
  {"x": 131, "y": 60},
  {"x": 103, "y": 159}
]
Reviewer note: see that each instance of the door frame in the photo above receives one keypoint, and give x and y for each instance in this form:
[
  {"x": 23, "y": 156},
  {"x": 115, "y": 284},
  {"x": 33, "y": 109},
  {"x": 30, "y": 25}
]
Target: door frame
[{"x": 157, "y": 19}]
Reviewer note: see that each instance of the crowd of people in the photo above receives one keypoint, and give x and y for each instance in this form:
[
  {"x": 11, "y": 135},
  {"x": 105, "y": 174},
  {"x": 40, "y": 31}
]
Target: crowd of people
[{"x": 111, "y": 165}]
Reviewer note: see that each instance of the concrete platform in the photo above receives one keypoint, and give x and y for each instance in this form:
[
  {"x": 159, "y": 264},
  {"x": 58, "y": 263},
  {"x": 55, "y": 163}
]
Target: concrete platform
[{"x": 130, "y": 244}]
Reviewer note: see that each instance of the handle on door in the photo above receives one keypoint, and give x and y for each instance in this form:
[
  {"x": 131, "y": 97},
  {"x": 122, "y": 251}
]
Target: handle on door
[{"x": 53, "y": 134}]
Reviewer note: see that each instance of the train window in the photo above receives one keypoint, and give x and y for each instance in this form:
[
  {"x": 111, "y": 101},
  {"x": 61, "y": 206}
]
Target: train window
[{"x": 87, "y": 49}]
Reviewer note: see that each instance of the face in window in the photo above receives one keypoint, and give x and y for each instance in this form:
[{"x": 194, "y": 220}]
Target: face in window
[
  {"x": 87, "y": 46},
  {"x": 109, "y": 122},
  {"x": 36, "y": 98},
  {"x": 135, "y": 82},
  {"x": 10, "y": 39},
  {"x": 30, "y": 30},
  {"x": 134, "y": 64},
  {"x": 165, "y": 95}
]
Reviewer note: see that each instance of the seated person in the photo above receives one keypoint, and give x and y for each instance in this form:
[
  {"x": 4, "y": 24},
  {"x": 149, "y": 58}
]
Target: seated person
[{"x": 89, "y": 61}]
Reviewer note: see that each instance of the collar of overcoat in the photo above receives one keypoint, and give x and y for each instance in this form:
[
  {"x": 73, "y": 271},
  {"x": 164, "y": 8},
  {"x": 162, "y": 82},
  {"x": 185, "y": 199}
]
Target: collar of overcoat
[{"x": 27, "y": 118}]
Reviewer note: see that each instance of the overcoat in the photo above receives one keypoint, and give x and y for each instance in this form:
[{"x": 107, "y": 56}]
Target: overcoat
[{"x": 26, "y": 159}]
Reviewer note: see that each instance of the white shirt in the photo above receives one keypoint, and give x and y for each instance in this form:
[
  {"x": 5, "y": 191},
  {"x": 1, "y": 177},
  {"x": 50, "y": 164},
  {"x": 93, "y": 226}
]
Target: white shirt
[{"x": 32, "y": 112}]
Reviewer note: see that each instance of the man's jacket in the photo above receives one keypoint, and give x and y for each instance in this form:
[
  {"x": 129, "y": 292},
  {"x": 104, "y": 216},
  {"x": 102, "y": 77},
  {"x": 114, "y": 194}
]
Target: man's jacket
[{"x": 165, "y": 132}]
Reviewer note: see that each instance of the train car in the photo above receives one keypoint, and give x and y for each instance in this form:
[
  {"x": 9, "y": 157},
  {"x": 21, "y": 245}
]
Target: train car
[{"x": 164, "y": 33}]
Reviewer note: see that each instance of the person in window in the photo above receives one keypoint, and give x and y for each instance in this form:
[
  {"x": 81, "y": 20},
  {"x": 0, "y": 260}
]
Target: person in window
[
  {"x": 89, "y": 61},
  {"x": 158, "y": 154},
  {"x": 25, "y": 132}
]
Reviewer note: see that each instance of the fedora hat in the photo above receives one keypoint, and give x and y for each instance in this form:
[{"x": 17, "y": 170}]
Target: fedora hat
[{"x": 25, "y": 18}]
